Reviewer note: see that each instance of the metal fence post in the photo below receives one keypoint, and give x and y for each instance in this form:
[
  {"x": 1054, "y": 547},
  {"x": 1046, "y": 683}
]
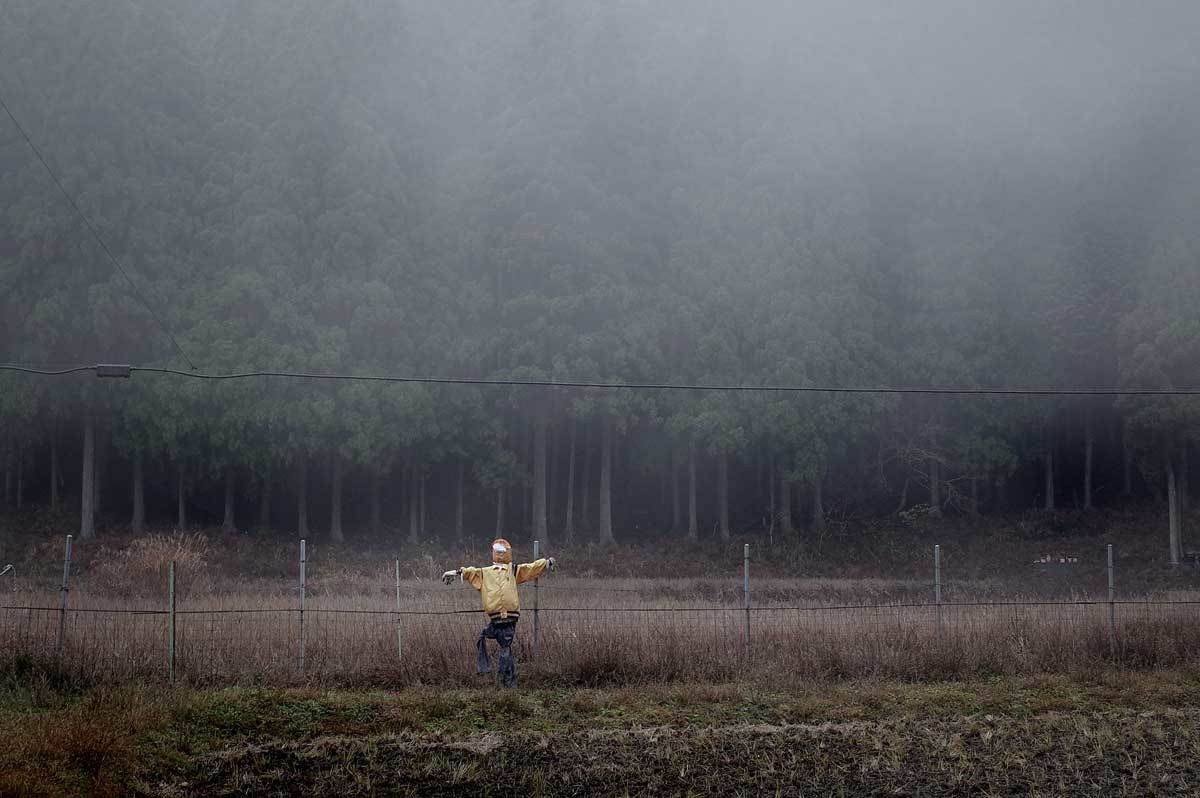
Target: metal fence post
[
  {"x": 1112, "y": 607},
  {"x": 62, "y": 604},
  {"x": 400, "y": 640},
  {"x": 303, "y": 565},
  {"x": 171, "y": 622},
  {"x": 746, "y": 595},
  {"x": 937, "y": 583},
  {"x": 537, "y": 547}
]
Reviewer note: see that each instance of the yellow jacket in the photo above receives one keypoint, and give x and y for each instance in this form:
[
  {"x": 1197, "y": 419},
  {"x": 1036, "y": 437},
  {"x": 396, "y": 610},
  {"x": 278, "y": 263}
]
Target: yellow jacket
[{"x": 497, "y": 586}]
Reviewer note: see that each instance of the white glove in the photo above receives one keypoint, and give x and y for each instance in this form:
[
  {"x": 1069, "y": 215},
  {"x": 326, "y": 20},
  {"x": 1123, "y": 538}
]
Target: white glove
[
  {"x": 450, "y": 576},
  {"x": 551, "y": 564}
]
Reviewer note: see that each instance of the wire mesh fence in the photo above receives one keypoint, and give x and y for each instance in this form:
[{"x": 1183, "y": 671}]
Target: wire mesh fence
[{"x": 582, "y": 632}]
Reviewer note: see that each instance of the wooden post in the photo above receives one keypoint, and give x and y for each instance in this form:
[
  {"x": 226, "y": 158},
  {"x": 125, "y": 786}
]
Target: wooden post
[
  {"x": 937, "y": 584},
  {"x": 746, "y": 595},
  {"x": 536, "y": 598},
  {"x": 303, "y": 565},
  {"x": 62, "y": 605},
  {"x": 1112, "y": 607},
  {"x": 171, "y": 622},
  {"x": 400, "y": 639}
]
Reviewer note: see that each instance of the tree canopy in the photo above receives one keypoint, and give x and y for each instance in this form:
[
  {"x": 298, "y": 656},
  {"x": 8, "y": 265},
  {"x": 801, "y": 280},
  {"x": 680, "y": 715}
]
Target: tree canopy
[{"x": 633, "y": 192}]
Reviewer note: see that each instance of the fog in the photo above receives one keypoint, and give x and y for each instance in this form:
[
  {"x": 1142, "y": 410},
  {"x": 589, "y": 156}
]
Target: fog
[{"x": 941, "y": 194}]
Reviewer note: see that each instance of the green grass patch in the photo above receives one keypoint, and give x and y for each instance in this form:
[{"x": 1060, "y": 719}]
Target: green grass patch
[{"x": 956, "y": 736}]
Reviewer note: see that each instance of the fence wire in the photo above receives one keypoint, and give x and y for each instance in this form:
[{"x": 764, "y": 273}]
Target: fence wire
[
  {"x": 599, "y": 645},
  {"x": 416, "y": 631}
]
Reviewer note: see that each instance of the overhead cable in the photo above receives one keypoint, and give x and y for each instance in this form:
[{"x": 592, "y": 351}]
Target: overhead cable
[{"x": 126, "y": 371}]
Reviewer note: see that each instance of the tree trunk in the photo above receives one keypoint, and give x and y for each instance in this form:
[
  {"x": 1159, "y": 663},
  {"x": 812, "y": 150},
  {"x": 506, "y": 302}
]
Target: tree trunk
[
  {"x": 569, "y": 530},
  {"x": 228, "y": 525},
  {"x": 541, "y": 527},
  {"x": 1184, "y": 481},
  {"x": 676, "y": 505},
  {"x": 526, "y": 487},
  {"x": 8, "y": 474},
  {"x": 606, "y": 456},
  {"x": 975, "y": 496},
  {"x": 693, "y": 520},
  {"x": 20, "y": 477},
  {"x": 585, "y": 504},
  {"x": 87, "y": 495},
  {"x": 903, "y": 496},
  {"x": 785, "y": 506},
  {"x": 336, "y": 534},
  {"x": 100, "y": 461},
  {"x": 771, "y": 505},
  {"x": 376, "y": 502},
  {"x": 1173, "y": 510},
  {"x": 1050, "y": 479},
  {"x": 180, "y": 499},
  {"x": 935, "y": 486},
  {"x": 818, "y": 508},
  {"x": 138, "y": 523},
  {"x": 758, "y": 479},
  {"x": 664, "y": 484},
  {"x": 458, "y": 503},
  {"x": 554, "y": 478},
  {"x": 264, "y": 503},
  {"x": 302, "y": 499},
  {"x": 1126, "y": 461},
  {"x": 1089, "y": 446},
  {"x": 414, "y": 505},
  {"x": 500, "y": 511},
  {"x": 422, "y": 480},
  {"x": 723, "y": 492},
  {"x": 54, "y": 467},
  {"x": 622, "y": 479}
]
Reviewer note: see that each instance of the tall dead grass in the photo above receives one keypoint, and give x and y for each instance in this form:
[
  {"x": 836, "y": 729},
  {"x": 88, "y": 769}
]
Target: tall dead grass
[
  {"x": 246, "y": 639},
  {"x": 361, "y": 627},
  {"x": 139, "y": 568}
]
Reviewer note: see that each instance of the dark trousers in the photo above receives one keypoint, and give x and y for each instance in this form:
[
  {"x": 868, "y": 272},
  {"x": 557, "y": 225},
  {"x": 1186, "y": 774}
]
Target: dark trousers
[{"x": 502, "y": 632}]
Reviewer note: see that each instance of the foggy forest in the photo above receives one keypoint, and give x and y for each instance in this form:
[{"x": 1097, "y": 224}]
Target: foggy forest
[{"x": 819, "y": 195}]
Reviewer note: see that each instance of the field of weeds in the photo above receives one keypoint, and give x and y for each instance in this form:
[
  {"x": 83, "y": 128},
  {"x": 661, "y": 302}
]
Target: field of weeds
[
  {"x": 637, "y": 684},
  {"x": 1101, "y": 733},
  {"x": 389, "y": 624}
]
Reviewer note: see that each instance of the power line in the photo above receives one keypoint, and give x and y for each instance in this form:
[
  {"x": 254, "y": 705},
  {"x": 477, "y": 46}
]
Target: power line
[
  {"x": 125, "y": 371},
  {"x": 95, "y": 233},
  {"x": 44, "y": 372}
]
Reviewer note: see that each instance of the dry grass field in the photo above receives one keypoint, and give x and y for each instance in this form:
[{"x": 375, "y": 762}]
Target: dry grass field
[
  {"x": 638, "y": 684},
  {"x": 377, "y": 623}
]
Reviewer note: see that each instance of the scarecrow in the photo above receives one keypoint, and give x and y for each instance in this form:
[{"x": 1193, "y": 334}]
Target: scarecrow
[{"x": 497, "y": 586}]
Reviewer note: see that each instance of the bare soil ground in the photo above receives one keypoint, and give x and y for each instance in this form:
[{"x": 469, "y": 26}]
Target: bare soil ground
[{"x": 1099, "y": 733}]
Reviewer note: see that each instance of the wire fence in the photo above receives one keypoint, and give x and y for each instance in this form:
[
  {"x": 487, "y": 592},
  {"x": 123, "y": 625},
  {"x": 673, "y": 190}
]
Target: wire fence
[{"x": 581, "y": 632}]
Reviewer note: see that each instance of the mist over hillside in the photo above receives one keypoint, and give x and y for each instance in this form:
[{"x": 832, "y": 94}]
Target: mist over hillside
[{"x": 805, "y": 194}]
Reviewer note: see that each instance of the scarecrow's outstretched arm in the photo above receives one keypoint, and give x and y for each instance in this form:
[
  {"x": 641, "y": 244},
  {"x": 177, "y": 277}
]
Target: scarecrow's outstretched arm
[
  {"x": 532, "y": 570},
  {"x": 472, "y": 576}
]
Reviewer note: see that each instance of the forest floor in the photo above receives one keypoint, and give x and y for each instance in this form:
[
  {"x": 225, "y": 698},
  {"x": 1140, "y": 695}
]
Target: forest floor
[{"x": 1103, "y": 732}]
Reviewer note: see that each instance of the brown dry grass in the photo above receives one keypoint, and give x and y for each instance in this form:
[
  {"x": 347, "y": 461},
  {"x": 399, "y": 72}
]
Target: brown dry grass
[
  {"x": 591, "y": 631},
  {"x": 137, "y": 568},
  {"x": 584, "y": 638},
  {"x": 83, "y": 747}
]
